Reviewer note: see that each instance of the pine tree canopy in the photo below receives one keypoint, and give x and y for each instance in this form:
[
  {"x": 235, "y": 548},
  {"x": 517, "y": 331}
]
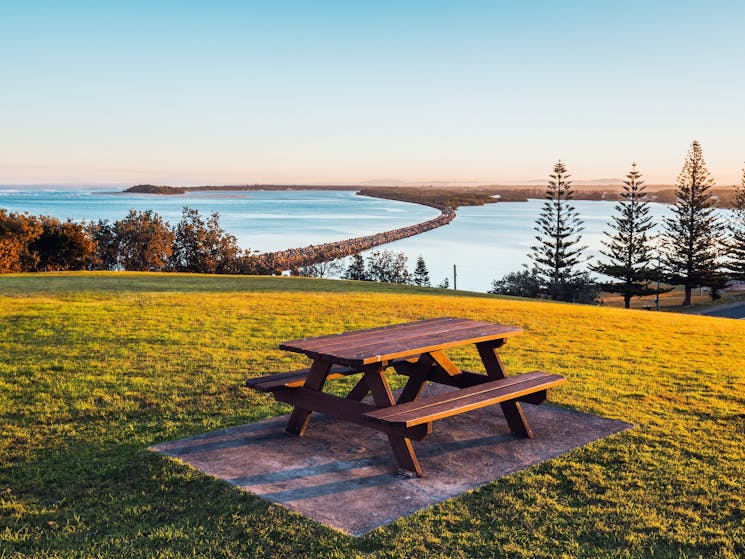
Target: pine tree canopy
[
  {"x": 736, "y": 260},
  {"x": 421, "y": 274},
  {"x": 627, "y": 248},
  {"x": 557, "y": 251},
  {"x": 693, "y": 243}
]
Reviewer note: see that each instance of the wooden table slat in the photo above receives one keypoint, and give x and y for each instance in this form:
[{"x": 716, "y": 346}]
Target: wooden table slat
[
  {"x": 466, "y": 400},
  {"x": 309, "y": 343},
  {"x": 363, "y": 336},
  {"x": 463, "y": 405},
  {"x": 412, "y": 346},
  {"x": 296, "y": 374},
  {"x": 430, "y": 331},
  {"x": 486, "y": 386}
]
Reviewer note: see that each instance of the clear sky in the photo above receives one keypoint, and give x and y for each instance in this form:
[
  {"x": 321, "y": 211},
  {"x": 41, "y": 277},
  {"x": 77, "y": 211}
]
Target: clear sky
[{"x": 187, "y": 92}]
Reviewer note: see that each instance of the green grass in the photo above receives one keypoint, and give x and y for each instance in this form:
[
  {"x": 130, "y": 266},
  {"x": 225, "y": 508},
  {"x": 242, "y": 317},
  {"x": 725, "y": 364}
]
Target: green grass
[{"x": 96, "y": 367}]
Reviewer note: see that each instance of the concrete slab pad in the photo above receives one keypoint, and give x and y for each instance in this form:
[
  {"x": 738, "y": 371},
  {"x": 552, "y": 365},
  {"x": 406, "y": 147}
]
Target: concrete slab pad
[{"x": 344, "y": 476}]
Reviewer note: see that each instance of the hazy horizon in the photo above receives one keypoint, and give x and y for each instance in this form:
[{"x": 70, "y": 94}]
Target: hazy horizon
[
  {"x": 582, "y": 184},
  {"x": 347, "y": 93}
]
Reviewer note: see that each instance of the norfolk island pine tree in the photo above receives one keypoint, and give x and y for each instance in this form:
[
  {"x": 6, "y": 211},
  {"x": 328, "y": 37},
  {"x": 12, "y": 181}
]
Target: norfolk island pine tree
[
  {"x": 558, "y": 251},
  {"x": 628, "y": 247},
  {"x": 736, "y": 249},
  {"x": 692, "y": 234},
  {"x": 421, "y": 274}
]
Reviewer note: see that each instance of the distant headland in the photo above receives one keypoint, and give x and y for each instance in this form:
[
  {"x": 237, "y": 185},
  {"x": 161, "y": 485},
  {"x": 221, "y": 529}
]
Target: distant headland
[{"x": 446, "y": 196}]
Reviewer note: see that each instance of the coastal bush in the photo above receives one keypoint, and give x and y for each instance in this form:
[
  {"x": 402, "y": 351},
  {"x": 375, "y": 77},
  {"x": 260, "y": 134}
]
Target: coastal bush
[
  {"x": 387, "y": 267},
  {"x": 61, "y": 245},
  {"x": 202, "y": 246},
  {"x": 144, "y": 241},
  {"x": 329, "y": 269},
  {"x": 518, "y": 284},
  {"x": 356, "y": 269},
  {"x": 103, "y": 235},
  {"x": 17, "y": 232}
]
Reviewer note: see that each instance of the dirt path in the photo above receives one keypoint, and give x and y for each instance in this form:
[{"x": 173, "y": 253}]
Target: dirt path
[{"x": 726, "y": 310}]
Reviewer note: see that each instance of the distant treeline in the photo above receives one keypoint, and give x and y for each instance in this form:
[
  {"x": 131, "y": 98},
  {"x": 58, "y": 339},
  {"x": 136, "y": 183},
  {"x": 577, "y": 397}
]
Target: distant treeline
[
  {"x": 431, "y": 196},
  {"x": 163, "y": 189},
  {"x": 455, "y": 197}
]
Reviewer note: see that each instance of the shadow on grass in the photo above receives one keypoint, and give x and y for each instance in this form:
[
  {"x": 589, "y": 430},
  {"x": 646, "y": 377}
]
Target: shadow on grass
[{"x": 123, "y": 501}]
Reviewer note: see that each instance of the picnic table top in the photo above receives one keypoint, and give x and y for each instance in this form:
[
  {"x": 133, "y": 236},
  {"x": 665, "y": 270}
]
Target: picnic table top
[{"x": 374, "y": 345}]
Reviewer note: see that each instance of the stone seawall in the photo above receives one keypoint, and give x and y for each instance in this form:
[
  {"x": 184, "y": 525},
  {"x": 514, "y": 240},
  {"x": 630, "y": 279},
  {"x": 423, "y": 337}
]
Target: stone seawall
[{"x": 294, "y": 258}]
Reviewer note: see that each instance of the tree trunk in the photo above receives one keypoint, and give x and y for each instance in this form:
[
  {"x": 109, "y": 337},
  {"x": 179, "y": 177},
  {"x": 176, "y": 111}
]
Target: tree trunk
[
  {"x": 626, "y": 301},
  {"x": 687, "y": 298}
]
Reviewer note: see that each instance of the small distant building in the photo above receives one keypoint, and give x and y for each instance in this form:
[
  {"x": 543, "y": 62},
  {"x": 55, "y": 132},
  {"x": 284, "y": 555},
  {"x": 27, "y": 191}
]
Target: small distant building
[{"x": 735, "y": 286}]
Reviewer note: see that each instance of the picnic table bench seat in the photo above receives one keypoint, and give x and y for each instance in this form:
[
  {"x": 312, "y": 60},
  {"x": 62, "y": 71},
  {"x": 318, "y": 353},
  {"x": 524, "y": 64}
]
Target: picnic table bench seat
[
  {"x": 529, "y": 387},
  {"x": 270, "y": 383},
  {"x": 296, "y": 378}
]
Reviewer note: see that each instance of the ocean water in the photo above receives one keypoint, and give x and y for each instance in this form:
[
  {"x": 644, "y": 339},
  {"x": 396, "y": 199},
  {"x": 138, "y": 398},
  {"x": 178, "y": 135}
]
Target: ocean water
[
  {"x": 263, "y": 221},
  {"x": 487, "y": 242},
  {"x": 482, "y": 242}
]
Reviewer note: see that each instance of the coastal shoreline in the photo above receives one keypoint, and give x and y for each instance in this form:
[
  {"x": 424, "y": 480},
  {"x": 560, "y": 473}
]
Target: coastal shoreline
[
  {"x": 294, "y": 258},
  {"x": 445, "y": 199}
]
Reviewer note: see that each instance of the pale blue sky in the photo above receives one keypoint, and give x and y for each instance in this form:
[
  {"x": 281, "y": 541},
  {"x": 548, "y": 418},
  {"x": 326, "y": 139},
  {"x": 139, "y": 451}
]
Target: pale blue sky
[{"x": 227, "y": 92}]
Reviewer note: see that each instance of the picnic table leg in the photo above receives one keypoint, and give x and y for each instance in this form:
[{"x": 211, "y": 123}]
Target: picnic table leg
[
  {"x": 359, "y": 391},
  {"x": 416, "y": 381},
  {"x": 512, "y": 411},
  {"x": 315, "y": 380},
  {"x": 382, "y": 396}
]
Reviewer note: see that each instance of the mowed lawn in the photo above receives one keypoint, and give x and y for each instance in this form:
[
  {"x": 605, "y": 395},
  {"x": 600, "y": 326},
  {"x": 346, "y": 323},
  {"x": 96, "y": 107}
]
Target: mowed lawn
[{"x": 96, "y": 367}]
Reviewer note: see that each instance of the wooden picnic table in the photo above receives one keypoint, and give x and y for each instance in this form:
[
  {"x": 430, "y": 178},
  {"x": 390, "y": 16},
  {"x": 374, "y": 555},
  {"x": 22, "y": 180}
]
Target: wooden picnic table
[{"x": 414, "y": 349}]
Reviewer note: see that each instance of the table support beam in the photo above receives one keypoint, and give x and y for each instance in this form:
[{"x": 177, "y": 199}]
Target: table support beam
[
  {"x": 416, "y": 381},
  {"x": 359, "y": 391},
  {"x": 382, "y": 396},
  {"x": 315, "y": 381},
  {"x": 348, "y": 410},
  {"x": 512, "y": 411}
]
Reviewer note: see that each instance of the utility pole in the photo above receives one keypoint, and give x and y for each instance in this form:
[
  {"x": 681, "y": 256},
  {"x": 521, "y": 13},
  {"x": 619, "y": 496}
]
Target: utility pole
[
  {"x": 455, "y": 278},
  {"x": 657, "y": 295}
]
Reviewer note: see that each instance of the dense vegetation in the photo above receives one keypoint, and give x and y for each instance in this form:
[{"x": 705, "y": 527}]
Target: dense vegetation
[
  {"x": 431, "y": 196},
  {"x": 96, "y": 367},
  {"x": 163, "y": 189},
  {"x": 155, "y": 189},
  {"x": 141, "y": 241}
]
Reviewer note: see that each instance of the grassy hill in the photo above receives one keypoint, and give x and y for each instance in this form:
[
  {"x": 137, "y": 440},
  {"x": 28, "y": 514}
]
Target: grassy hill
[{"x": 95, "y": 367}]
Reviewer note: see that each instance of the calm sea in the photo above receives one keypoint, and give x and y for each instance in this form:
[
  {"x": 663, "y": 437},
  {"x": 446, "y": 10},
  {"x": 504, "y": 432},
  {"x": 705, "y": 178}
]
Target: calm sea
[
  {"x": 263, "y": 221},
  {"x": 483, "y": 242}
]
